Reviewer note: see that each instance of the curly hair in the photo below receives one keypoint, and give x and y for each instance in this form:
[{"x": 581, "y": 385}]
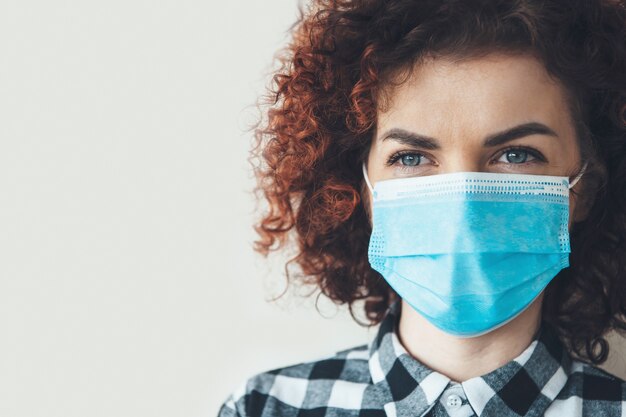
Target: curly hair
[{"x": 321, "y": 113}]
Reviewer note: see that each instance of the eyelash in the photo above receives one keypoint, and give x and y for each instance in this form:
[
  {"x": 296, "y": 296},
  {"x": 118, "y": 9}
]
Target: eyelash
[{"x": 534, "y": 153}]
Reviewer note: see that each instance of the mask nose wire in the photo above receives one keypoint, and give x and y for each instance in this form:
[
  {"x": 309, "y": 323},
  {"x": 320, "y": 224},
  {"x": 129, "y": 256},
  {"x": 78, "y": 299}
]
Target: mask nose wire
[
  {"x": 580, "y": 174},
  {"x": 367, "y": 181}
]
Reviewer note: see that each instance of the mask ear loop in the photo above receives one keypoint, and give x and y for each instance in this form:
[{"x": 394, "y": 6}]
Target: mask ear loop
[
  {"x": 580, "y": 174},
  {"x": 367, "y": 181}
]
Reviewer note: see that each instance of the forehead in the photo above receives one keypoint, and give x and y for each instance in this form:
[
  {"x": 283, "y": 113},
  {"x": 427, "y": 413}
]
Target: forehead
[{"x": 482, "y": 92}]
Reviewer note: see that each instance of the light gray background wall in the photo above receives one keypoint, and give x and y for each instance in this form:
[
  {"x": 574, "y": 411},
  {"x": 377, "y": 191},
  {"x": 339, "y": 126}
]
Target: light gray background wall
[{"x": 128, "y": 286}]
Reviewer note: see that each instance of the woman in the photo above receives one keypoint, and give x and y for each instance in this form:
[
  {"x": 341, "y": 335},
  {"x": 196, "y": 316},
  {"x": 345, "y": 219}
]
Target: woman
[{"x": 461, "y": 167}]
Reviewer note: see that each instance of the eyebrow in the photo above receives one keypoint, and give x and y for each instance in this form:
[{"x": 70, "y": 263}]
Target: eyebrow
[{"x": 494, "y": 139}]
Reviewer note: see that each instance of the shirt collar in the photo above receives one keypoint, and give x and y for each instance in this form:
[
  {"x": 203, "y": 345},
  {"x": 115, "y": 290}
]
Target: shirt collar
[{"x": 525, "y": 385}]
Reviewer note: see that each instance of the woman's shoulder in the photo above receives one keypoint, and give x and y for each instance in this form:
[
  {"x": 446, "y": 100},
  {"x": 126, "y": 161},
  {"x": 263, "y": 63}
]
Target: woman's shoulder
[
  {"x": 285, "y": 390},
  {"x": 592, "y": 383},
  {"x": 583, "y": 370}
]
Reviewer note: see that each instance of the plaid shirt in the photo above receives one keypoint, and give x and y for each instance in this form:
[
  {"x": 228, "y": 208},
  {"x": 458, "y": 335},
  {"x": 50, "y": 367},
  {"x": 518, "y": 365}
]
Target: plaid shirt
[{"x": 382, "y": 379}]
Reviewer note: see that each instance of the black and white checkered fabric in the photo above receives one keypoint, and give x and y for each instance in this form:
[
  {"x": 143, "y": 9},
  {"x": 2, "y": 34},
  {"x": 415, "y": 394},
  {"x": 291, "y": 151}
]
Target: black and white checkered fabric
[{"x": 382, "y": 379}]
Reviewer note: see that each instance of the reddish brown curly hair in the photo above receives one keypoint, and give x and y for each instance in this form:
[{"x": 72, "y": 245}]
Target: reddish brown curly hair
[{"x": 321, "y": 112}]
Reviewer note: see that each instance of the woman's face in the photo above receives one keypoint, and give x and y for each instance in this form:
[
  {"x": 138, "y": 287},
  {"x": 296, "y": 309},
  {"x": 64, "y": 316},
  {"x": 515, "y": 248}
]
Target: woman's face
[{"x": 452, "y": 117}]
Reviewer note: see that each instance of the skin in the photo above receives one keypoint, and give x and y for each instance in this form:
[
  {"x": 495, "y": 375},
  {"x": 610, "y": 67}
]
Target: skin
[{"x": 460, "y": 104}]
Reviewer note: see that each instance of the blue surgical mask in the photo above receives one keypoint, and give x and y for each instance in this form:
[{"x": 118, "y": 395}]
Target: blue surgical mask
[{"x": 470, "y": 251}]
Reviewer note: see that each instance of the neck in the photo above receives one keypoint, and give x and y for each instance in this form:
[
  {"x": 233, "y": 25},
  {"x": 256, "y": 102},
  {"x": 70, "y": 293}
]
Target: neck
[{"x": 463, "y": 358}]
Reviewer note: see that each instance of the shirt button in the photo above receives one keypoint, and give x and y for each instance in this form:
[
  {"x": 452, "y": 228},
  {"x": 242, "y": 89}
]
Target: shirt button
[{"x": 454, "y": 401}]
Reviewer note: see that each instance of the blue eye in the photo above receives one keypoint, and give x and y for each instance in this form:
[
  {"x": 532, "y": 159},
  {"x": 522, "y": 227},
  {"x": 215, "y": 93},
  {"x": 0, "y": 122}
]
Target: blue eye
[
  {"x": 411, "y": 159},
  {"x": 517, "y": 156},
  {"x": 408, "y": 159}
]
